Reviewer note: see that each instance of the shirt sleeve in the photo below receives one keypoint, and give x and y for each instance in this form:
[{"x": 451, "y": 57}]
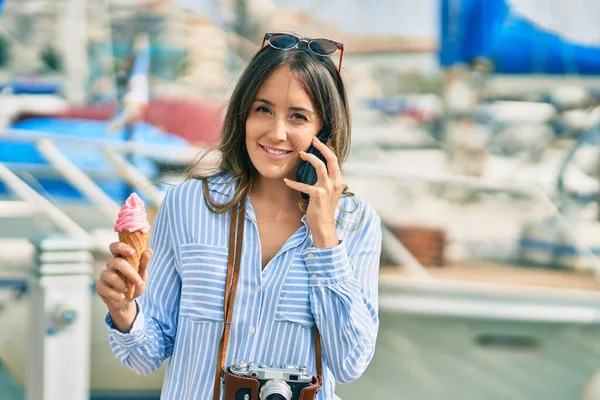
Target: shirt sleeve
[
  {"x": 151, "y": 338},
  {"x": 344, "y": 297}
]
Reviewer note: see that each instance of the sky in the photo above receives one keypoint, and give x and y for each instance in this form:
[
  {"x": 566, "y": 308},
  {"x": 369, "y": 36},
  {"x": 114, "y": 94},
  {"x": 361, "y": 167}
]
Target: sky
[
  {"x": 415, "y": 18},
  {"x": 578, "y": 20},
  {"x": 396, "y": 17}
]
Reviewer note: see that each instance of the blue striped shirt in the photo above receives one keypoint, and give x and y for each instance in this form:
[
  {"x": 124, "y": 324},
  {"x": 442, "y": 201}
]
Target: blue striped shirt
[{"x": 181, "y": 312}]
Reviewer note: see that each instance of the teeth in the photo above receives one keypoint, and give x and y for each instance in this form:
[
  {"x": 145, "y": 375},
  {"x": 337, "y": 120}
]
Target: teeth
[{"x": 276, "y": 152}]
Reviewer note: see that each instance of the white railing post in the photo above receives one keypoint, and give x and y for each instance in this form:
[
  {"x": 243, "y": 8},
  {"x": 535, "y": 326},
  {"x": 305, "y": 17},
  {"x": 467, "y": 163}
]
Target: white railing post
[
  {"x": 24, "y": 191},
  {"x": 76, "y": 177},
  {"x": 60, "y": 325},
  {"x": 134, "y": 177}
]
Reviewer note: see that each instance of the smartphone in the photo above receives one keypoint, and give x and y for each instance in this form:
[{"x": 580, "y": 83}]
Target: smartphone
[{"x": 306, "y": 173}]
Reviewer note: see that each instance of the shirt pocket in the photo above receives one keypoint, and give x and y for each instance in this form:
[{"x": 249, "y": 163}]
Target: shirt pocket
[
  {"x": 294, "y": 300},
  {"x": 204, "y": 271}
]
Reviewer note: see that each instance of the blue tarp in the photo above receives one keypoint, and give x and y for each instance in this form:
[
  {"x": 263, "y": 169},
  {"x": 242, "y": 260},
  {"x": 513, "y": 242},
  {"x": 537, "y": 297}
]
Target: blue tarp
[
  {"x": 515, "y": 45},
  {"x": 90, "y": 160},
  {"x": 31, "y": 87}
]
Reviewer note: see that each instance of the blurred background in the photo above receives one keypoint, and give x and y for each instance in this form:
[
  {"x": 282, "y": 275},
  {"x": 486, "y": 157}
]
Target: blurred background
[{"x": 476, "y": 135}]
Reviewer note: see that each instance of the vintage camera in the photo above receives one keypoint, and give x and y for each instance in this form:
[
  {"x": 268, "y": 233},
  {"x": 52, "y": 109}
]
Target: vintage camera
[{"x": 249, "y": 381}]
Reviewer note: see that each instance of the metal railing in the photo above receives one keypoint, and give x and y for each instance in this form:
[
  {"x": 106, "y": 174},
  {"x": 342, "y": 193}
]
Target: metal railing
[
  {"x": 67, "y": 170},
  {"x": 113, "y": 148}
]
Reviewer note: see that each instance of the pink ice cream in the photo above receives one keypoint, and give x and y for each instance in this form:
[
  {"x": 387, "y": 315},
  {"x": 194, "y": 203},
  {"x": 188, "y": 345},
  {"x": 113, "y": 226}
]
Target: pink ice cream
[{"x": 132, "y": 216}]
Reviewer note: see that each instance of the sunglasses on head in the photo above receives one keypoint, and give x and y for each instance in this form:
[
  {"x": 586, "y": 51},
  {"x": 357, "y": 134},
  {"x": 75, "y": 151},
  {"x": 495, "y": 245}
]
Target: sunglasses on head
[{"x": 319, "y": 46}]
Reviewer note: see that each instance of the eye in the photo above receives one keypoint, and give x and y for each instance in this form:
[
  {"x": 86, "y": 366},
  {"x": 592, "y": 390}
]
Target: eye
[
  {"x": 299, "y": 116},
  {"x": 263, "y": 109}
]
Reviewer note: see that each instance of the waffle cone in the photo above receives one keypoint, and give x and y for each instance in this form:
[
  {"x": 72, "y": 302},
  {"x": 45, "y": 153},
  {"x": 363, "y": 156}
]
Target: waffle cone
[{"x": 137, "y": 240}]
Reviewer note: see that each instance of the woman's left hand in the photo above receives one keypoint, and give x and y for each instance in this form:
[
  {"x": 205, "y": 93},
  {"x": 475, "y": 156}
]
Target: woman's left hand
[{"x": 324, "y": 195}]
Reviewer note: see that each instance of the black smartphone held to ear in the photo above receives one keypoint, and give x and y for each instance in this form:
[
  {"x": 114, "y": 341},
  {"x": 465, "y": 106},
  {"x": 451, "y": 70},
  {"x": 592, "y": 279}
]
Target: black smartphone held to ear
[{"x": 306, "y": 173}]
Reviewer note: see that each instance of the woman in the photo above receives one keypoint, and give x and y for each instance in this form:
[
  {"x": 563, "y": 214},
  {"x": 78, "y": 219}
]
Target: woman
[{"x": 304, "y": 262}]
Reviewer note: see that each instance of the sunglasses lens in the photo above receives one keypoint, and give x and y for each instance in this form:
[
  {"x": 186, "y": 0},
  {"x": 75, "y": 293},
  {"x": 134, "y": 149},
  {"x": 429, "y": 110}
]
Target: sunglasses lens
[
  {"x": 283, "y": 42},
  {"x": 323, "y": 47}
]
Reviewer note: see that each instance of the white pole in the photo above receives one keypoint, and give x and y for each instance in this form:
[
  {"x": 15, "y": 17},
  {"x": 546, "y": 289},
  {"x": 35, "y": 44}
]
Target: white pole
[
  {"x": 60, "y": 325},
  {"x": 16, "y": 209},
  {"x": 59, "y": 218},
  {"x": 135, "y": 178},
  {"x": 383, "y": 171},
  {"x": 77, "y": 178},
  {"x": 74, "y": 35}
]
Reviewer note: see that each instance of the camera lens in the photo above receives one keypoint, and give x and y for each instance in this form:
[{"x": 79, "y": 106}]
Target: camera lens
[{"x": 275, "y": 390}]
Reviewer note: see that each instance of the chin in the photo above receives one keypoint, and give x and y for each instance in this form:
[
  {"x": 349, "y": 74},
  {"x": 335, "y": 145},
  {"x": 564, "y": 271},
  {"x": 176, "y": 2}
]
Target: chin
[{"x": 272, "y": 172}]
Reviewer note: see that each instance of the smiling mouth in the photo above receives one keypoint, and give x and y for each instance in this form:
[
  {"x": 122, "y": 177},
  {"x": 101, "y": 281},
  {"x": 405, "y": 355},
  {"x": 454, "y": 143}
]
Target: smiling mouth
[{"x": 275, "y": 152}]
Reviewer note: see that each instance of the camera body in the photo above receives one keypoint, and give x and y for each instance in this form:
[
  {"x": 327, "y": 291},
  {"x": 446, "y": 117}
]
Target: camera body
[{"x": 249, "y": 381}]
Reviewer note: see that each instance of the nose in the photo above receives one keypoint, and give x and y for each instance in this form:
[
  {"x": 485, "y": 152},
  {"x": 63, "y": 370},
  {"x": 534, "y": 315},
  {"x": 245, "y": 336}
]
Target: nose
[{"x": 278, "y": 131}]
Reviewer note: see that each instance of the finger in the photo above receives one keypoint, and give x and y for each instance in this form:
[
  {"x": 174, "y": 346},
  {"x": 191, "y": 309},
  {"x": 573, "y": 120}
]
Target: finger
[
  {"x": 301, "y": 187},
  {"x": 319, "y": 165},
  {"x": 107, "y": 293},
  {"x": 114, "y": 279},
  {"x": 120, "y": 249},
  {"x": 145, "y": 261},
  {"x": 122, "y": 266},
  {"x": 333, "y": 165}
]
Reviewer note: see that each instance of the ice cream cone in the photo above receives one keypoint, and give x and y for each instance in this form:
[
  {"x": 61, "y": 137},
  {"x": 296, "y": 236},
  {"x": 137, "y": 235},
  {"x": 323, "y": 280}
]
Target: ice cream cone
[
  {"x": 137, "y": 240},
  {"x": 133, "y": 227}
]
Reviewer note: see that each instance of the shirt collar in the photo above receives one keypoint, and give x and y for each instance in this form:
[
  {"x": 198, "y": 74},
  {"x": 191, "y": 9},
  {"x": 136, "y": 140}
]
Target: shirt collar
[{"x": 221, "y": 183}]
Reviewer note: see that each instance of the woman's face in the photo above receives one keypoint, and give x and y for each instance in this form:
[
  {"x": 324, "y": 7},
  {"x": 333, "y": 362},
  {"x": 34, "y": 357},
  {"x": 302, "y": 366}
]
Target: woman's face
[{"x": 282, "y": 121}]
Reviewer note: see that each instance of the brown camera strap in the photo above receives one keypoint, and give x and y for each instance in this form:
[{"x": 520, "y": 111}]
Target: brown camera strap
[
  {"x": 233, "y": 269},
  {"x": 236, "y": 234}
]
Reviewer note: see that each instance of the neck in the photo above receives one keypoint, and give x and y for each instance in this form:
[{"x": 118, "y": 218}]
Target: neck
[{"x": 275, "y": 192}]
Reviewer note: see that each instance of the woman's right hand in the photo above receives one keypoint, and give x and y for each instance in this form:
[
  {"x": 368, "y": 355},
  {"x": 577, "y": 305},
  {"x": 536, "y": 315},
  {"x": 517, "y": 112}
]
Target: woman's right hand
[{"x": 111, "y": 286}]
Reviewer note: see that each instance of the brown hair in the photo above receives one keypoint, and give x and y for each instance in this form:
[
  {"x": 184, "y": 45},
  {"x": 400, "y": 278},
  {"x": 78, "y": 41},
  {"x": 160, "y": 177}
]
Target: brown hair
[{"x": 323, "y": 85}]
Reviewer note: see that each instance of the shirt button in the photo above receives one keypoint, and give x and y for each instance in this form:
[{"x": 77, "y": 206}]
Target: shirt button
[
  {"x": 313, "y": 277},
  {"x": 252, "y": 330},
  {"x": 310, "y": 256},
  {"x": 258, "y": 288}
]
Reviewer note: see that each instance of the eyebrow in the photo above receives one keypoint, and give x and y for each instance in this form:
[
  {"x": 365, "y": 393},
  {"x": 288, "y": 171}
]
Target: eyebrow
[{"x": 267, "y": 102}]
